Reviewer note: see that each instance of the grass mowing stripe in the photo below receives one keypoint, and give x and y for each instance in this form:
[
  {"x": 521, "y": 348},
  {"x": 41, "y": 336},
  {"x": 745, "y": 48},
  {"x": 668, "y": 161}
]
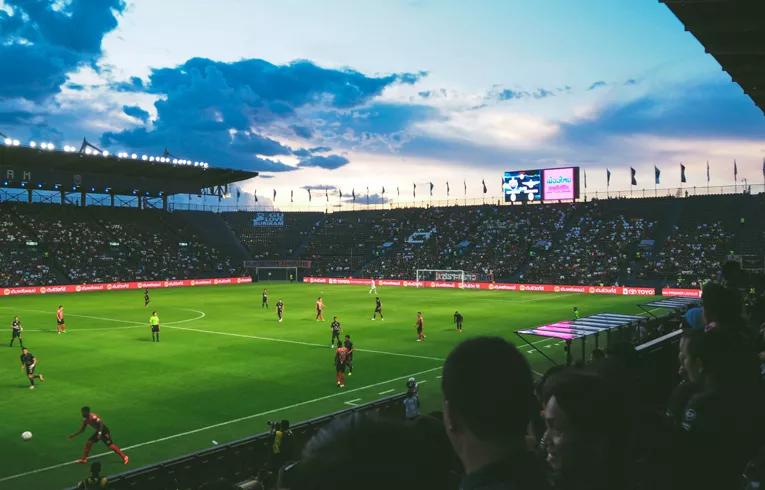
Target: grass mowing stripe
[
  {"x": 227, "y": 422},
  {"x": 298, "y": 342}
]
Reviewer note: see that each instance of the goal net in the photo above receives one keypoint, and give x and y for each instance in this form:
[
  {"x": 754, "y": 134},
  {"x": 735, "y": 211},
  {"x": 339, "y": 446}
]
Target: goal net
[
  {"x": 276, "y": 274},
  {"x": 445, "y": 275}
]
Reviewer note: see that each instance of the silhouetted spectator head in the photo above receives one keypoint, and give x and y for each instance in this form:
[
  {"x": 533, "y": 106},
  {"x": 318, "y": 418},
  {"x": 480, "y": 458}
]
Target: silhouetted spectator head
[
  {"x": 719, "y": 359},
  {"x": 369, "y": 452},
  {"x": 586, "y": 430},
  {"x": 722, "y": 306}
]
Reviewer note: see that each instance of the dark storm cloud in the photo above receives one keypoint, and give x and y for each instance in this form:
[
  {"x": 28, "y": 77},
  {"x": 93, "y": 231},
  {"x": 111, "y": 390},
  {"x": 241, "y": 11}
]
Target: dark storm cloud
[
  {"x": 136, "y": 112},
  {"x": 44, "y": 44}
]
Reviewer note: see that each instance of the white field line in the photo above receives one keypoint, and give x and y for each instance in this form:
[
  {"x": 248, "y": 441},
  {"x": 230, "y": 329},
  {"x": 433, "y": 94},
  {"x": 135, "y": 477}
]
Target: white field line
[
  {"x": 298, "y": 342},
  {"x": 387, "y": 391},
  {"x": 221, "y": 424},
  {"x": 353, "y": 402}
]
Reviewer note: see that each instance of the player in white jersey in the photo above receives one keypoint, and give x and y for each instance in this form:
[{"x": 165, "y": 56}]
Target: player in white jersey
[{"x": 372, "y": 287}]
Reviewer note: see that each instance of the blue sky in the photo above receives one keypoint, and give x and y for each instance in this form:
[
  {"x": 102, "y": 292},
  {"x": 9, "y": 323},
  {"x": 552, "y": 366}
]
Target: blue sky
[{"x": 358, "y": 94}]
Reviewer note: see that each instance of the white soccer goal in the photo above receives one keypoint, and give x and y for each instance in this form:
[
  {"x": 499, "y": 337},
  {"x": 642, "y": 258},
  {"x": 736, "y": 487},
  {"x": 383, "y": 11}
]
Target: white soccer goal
[
  {"x": 441, "y": 275},
  {"x": 276, "y": 274}
]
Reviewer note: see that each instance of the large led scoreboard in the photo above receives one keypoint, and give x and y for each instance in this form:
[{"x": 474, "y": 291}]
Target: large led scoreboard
[{"x": 547, "y": 184}]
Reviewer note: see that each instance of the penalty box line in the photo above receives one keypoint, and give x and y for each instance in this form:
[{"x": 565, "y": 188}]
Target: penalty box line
[{"x": 227, "y": 422}]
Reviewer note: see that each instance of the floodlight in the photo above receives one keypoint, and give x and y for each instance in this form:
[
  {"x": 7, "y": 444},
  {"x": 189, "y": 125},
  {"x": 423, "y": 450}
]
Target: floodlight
[
  {"x": 16, "y": 142},
  {"x": 134, "y": 156},
  {"x": 32, "y": 144},
  {"x": 8, "y": 141},
  {"x": 105, "y": 153}
]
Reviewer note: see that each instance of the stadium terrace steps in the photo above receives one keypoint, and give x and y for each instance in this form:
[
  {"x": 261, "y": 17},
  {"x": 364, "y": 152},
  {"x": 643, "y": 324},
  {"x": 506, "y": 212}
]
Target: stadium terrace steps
[{"x": 212, "y": 228}]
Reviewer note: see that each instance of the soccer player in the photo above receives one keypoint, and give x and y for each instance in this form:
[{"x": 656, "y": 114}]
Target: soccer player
[
  {"x": 335, "y": 331},
  {"x": 28, "y": 364},
  {"x": 349, "y": 357},
  {"x": 576, "y": 313},
  {"x": 458, "y": 321},
  {"x": 280, "y": 310},
  {"x": 372, "y": 287},
  {"x": 154, "y": 323},
  {"x": 60, "y": 324},
  {"x": 420, "y": 325},
  {"x": 146, "y": 299},
  {"x": 102, "y": 433},
  {"x": 341, "y": 356},
  {"x": 319, "y": 310},
  {"x": 264, "y": 303},
  {"x": 16, "y": 330},
  {"x": 378, "y": 309}
]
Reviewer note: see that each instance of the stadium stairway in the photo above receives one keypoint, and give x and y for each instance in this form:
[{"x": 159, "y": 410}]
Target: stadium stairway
[{"x": 213, "y": 229}]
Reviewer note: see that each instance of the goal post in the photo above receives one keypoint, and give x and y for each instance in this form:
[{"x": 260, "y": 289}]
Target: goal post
[
  {"x": 276, "y": 274},
  {"x": 447, "y": 275}
]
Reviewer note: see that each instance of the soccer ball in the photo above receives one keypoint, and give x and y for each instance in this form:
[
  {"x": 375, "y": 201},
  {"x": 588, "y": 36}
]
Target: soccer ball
[{"x": 26, "y": 435}]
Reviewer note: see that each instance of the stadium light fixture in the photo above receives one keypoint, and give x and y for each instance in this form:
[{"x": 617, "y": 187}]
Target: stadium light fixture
[
  {"x": 134, "y": 156},
  {"x": 144, "y": 157},
  {"x": 8, "y": 141},
  {"x": 33, "y": 144},
  {"x": 16, "y": 142},
  {"x": 51, "y": 146},
  {"x": 105, "y": 153}
]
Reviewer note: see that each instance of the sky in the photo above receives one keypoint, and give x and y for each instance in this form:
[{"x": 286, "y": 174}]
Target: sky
[{"x": 357, "y": 95}]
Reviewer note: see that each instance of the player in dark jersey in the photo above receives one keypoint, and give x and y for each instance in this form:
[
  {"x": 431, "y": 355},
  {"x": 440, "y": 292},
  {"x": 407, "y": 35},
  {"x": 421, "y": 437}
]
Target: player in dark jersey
[
  {"x": 378, "y": 309},
  {"x": 28, "y": 364},
  {"x": 280, "y": 310},
  {"x": 60, "y": 324},
  {"x": 146, "y": 299},
  {"x": 420, "y": 325},
  {"x": 16, "y": 330},
  {"x": 102, "y": 433},
  {"x": 349, "y": 355},
  {"x": 458, "y": 321},
  {"x": 341, "y": 356},
  {"x": 335, "y": 326},
  {"x": 264, "y": 302}
]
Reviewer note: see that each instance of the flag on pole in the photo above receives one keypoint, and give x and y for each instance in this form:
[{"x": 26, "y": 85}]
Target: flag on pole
[
  {"x": 274, "y": 195},
  {"x": 682, "y": 174},
  {"x": 707, "y": 171},
  {"x": 414, "y": 190},
  {"x": 353, "y": 194},
  {"x": 292, "y": 195},
  {"x": 255, "y": 195},
  {"x": 431, "y": 189},
  {"x": 735, "y": 171},
  {"x": 483, "y": 182},
  {"x": 326, "y": 194},
  {"x": 340, "y": 191},
  {"x": 447, "y": 188},
  {"x": 398, "y": 192},
  {"x": 309, "y": 194},
  {"x": 763, "y": 167},
  {"x": 464, "y": 182},
  {"x": 367, "y": 195},
  {"x": 608, "y": 177},
  {"x": 383, "y": 190},
  {"x": 585, "y": 179},
  {"x": 238, "y": 193},
  {"x": 656, "y": 174},
  {"x": 633, "y": 179}
]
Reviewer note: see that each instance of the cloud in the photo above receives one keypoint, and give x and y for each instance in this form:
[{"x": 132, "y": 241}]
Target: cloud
[
  {"x": 509, "y": 94},
  {"x": 136, "y": 112},
  {"x": 46, "y": 40},
  {"x": 330, "y": 162},
  {"x": 223, "y": 111},
  {"x": 597, "y": 85}
]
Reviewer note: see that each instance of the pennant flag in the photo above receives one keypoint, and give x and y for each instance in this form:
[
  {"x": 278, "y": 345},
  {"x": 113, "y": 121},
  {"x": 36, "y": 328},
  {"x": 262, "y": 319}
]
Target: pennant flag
[
  {"x": 464, "y": 183},
  {"x": 656, "y": 174},
  {"x": 367, "y": 195},
  {"x": 383, "y": 190},
  {"x": 763, "y": 167},
  {"x": 414, "y": 190},
  {"x": 633, "y": 178},
  {"x": 735, "y": 171},
  {"x": 682, "y": 174},
  {"x": 483, "y": 182},
  {"x": 238, "y": 193},
  {"x": 398, "y": 192},
  {"x": 431, "y": 188},
  {"x": 447, "y": 188},
  {"x": 707, "y": 171},
  {"x": 292, "y": 195},
  {"x": 255, "y": 195},
  {"x": 608, "y": 177},
  {"x": 309, "y": 194},
  {"x": 340, "y": 191},
  {"x": 585, "y": 179},
  {"x": 353, "y": 194},
  {"x": 274, "y": 195},
  {"x": 326, "y": 194}
]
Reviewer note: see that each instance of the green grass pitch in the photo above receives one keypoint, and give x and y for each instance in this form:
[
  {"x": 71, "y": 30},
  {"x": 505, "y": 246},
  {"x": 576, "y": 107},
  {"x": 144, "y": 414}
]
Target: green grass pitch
[{"x": 224, "y": 366}]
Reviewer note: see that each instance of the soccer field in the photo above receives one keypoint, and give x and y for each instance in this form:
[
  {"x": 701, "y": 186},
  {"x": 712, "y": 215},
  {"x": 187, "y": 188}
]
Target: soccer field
[{"x": 224, "y": 366}]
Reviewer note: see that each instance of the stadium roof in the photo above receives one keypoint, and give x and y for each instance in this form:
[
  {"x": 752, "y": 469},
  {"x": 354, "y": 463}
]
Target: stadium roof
[
  {"x": 24, "y": 167},
  {"x": 733, "y": 31}
]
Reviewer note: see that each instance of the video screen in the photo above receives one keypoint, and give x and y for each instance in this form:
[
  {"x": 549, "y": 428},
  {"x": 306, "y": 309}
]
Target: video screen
[
  {"x": 559, "y": 184},
  {"x": 522, "y": 185}
]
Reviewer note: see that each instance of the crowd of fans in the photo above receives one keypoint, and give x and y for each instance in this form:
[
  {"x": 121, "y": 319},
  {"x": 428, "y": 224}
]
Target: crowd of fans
[{"x": 51, "y": 244}]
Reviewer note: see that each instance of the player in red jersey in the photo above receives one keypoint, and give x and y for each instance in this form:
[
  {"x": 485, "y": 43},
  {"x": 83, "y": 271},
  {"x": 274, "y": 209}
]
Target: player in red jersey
[
  {"x": 60, "y": 324},
  {"x": 319, "y": 310},
  {"x": 341, "y": 356},
  {"x": 102, "y": 433},
  {"x": 420, "y": 327}
]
